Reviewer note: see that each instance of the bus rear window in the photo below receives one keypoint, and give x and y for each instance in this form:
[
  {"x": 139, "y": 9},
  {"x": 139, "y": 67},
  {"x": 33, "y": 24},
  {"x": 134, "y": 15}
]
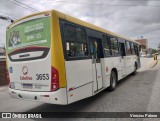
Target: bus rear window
[{"x": 28, "y": 53}]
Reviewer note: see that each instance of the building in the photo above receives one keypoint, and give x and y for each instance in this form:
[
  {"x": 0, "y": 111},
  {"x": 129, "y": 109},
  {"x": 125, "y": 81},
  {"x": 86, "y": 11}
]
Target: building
[
  {"x": 144, "y": 45},
  {"x": 3, "y": 71}
]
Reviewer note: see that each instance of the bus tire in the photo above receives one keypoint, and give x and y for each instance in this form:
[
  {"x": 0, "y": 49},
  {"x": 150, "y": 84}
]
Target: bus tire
[
  {"x": 135, "y": 68},
  {"x": 113, "y": 81}
]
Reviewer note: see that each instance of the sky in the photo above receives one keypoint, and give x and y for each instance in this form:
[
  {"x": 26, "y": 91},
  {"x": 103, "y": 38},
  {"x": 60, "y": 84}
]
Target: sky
[{"x": 130, "y": 18}]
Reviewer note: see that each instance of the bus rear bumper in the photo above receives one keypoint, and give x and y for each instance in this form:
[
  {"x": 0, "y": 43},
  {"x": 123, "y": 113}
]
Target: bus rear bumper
[{"x": 57, "y": 97}]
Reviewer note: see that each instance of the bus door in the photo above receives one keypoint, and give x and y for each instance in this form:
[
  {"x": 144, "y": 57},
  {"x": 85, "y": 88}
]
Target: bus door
[
  {"x": 122, "y": 59},
  {"x": 94, "y": 45}
]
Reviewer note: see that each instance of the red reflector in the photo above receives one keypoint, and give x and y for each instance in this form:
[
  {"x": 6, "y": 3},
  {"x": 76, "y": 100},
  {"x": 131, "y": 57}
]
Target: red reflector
[
  {"x": 71, "y": 95},
  {"x": 46, "y": 14},
  {"x": 54, "y": 79},
  {"x": 70, "y": 89}
]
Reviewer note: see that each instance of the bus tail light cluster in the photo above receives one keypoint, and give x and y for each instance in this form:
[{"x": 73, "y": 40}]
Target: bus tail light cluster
[{"x": 54, "y": 79}]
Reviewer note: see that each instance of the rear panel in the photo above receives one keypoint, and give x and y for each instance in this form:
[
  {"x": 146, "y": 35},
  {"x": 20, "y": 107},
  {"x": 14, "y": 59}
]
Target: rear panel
[{"x": 29, "y": 53}]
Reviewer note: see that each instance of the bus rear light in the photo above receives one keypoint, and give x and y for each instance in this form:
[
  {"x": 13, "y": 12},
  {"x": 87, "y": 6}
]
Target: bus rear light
[{"x": 54, "y": 79}]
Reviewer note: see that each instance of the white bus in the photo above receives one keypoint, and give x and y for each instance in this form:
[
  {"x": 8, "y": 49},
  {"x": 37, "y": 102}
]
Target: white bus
[{"x": 55, "y": 58}]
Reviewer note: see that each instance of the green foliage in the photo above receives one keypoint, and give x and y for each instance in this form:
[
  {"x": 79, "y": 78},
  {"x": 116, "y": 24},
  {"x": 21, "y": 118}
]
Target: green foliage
[{"x": 154, "y": 51}]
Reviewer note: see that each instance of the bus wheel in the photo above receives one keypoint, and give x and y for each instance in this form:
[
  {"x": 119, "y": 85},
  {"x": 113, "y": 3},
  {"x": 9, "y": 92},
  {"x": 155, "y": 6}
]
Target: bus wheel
[{"x": 113, "y": 81}]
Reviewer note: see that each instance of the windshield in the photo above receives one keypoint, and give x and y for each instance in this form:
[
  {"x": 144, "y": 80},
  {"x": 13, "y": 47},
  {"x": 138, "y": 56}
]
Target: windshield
[{"x": 29, "y": 37}]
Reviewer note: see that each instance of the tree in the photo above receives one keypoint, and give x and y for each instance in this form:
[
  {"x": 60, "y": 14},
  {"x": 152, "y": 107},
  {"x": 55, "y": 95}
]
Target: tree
[{"x": 154, "y": 51}]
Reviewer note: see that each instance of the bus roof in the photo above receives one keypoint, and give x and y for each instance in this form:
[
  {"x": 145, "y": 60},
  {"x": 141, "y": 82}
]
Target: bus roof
[{"x": 77, "y": 21}]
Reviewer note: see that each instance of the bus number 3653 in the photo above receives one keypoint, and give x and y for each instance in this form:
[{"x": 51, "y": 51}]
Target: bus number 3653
[{"x": 42, "y": 76}]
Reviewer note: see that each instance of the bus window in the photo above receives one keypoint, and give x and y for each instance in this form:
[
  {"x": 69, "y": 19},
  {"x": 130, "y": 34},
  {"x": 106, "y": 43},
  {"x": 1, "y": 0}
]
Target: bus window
[
  {"x": 69, "y": 33},
  {"x": 128, "y": 48},
  {"x": 122, "y": 49},
  {"x": 115, "y": 50},
  {"x": 106, "y": 48},
  {"x": 76, "y": 42},
  {"x": 80, "y": 35},
  {"x": 94, "y": 45},
  {"x": 76, "y": 49},
  {"x": 132, "y": 48},
  {"x": 114, "y": 46}
]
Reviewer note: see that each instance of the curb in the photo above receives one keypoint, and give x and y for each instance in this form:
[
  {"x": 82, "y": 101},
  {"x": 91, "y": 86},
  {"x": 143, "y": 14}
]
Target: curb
[
  {"x": 153, "y": 64},
  {"x": 2, "y": 88}
]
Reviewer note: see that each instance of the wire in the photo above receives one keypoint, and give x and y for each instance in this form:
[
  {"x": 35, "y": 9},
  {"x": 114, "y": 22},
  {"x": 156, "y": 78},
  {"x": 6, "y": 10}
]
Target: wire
[
  {"x": 20, "y": 5},
  {"x": 14, "y": 17},
  {"x": 100, "y": 4},
  {"x": 105, "y": 0},
  {"x": 26, "y": 5},
  {"x": 106, "y": 4}
]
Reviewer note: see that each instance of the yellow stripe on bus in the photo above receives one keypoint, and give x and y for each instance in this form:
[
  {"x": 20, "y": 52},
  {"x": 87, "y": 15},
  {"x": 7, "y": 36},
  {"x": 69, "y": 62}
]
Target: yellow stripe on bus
[{"x": 57, "y": 49}]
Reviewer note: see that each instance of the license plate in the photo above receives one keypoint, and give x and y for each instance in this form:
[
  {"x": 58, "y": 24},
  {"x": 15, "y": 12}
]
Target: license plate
[{"x": 27, "y": 86}]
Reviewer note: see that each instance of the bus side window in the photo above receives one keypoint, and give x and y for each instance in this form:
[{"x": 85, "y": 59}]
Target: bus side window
[
  {"x": 76, "y": 41},
  {"x": 122, "y": 49},
  {"x": 114, "y": 46},
  {"x": 128, "y": 48},
  {"x": 106, "y": 48},
  {"x": 132, "y": 48},
  {"x": 69, "y": 33}
]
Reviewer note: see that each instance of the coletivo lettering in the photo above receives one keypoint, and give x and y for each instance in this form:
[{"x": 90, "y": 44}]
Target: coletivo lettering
[{"x": 25, "y": 78}]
